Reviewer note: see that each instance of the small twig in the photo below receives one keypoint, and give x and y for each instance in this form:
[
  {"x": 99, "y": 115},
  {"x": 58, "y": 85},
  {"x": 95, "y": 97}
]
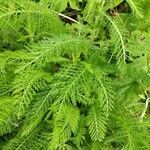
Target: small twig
[
  {"x": 145, "y": 109},
  {"x": 67, "y": 17}
]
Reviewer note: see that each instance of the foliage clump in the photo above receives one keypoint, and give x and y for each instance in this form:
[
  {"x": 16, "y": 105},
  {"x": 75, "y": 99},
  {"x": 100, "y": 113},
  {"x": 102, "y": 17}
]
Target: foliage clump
[{"x": 74, "y": 75}]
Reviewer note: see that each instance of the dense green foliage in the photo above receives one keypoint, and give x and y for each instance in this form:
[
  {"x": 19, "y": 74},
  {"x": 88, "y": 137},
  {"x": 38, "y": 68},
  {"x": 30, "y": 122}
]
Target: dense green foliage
[{"x": 74, "y": 75}]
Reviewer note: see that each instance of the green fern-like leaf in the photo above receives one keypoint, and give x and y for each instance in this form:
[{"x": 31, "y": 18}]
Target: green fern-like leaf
[
  {"x": 64, "y": 126},
  {"x": 37, "y": 112},
  {"x": 25, "y": 88},
  {"x": 54, "y": 50},
  {"x": 27, "y": 21},
  {"x": 97, "y": 123},
  {"x": 35, "y": 141},
  {"x": 7, "y": 116},
  {"x": 135, "y": 8}
]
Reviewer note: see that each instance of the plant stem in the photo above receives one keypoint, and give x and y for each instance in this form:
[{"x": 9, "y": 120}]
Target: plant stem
[{"x": 145, "y": 109}]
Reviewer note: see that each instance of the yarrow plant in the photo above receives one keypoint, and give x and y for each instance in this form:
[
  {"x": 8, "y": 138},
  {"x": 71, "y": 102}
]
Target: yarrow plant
[{"x": 74, "y": 75}]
